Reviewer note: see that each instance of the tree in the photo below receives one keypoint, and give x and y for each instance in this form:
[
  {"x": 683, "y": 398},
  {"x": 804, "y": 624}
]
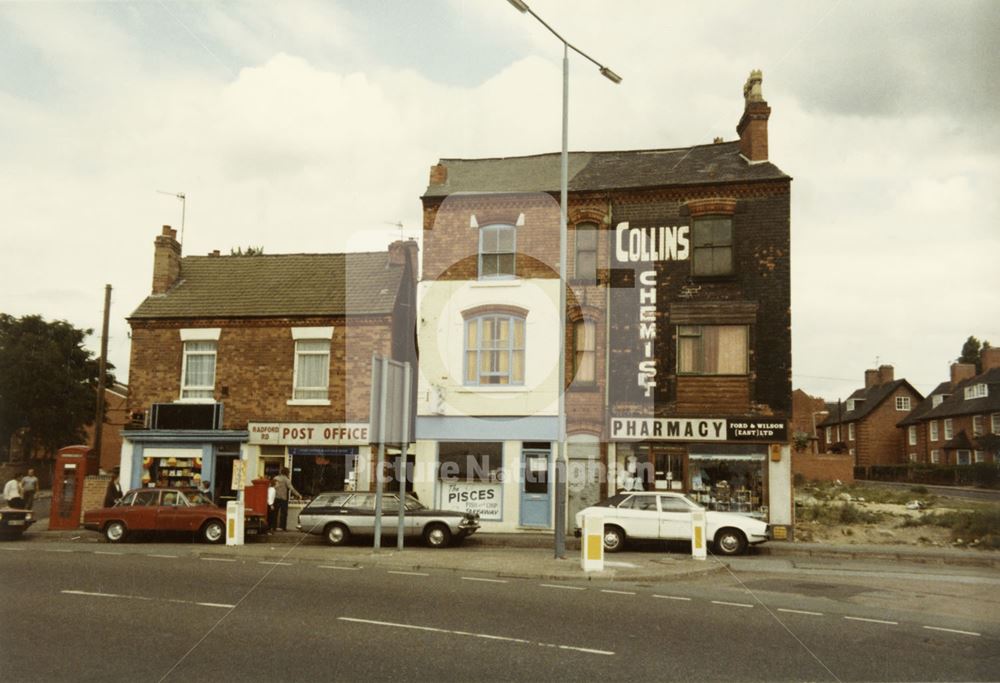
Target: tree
[
  {"x": 972, "y": 352},
  {"x": 48, "y": 383},
  {"x": 249, "y": 251}
]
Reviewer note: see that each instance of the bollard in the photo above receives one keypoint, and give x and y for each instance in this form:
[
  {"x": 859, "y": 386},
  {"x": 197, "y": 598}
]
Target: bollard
[
  {"x": 592, "y": 543},
  {"x": 234, "y": 523},
  {"x": 699, "y": 550}
]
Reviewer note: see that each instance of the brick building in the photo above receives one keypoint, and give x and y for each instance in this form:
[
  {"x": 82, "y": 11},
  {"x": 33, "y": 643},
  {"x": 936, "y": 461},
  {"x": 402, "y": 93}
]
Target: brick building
[
  {"x": 678, "y": 341},
  {"x": 865, "y": 424},
  {"x": 959, "y": 422},
  {"x": 265, "y": 358}
]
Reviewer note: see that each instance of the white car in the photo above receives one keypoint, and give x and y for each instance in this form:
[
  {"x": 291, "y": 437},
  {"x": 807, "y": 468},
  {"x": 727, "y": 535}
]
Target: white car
[{"x": 667, "y": 516}]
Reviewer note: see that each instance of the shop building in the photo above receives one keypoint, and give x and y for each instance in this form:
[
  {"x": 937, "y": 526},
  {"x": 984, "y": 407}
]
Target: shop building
[
  {"x": 959, "y": 422},
  {"x": 864, "y": 425},
  {"x": 265, "y": 360},
  {"x": 678, "y": 343}
]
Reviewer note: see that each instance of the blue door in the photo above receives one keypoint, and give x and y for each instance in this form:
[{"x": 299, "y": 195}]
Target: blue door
[{"x": 536, "y": 487}]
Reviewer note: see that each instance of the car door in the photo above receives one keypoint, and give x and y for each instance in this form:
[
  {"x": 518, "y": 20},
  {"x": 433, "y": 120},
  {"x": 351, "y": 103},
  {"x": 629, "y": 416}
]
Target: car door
[
  {"x": 360, "y": 513},
  {"x": 639, "y": 516},
  {"x": 675, "y": 518},
  {"x": 141, "y": 515}
]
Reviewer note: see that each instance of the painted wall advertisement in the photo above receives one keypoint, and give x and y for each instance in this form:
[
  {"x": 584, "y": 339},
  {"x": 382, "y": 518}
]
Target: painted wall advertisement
[{"x": 483, "y": 499}]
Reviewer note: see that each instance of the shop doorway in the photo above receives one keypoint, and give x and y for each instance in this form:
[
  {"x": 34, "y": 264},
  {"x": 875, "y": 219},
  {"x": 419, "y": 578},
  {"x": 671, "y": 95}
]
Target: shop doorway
[
  {"x": 222, "y": 486},
  {"x": 667, "y": 471},
  {"x": 536, "y": 487}
]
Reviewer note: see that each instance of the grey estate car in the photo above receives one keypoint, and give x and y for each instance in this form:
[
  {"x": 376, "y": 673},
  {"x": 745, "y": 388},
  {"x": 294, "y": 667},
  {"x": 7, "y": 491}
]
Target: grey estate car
[{"x": 338, "y": 515}]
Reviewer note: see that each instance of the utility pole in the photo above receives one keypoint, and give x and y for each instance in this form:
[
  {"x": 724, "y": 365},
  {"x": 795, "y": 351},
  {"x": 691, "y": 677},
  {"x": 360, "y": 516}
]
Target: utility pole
[{"x": 102, "y": 370}]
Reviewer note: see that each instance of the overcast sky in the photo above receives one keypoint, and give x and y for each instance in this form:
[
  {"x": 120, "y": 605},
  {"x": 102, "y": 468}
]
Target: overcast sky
[{"x": 310, "y": 127}]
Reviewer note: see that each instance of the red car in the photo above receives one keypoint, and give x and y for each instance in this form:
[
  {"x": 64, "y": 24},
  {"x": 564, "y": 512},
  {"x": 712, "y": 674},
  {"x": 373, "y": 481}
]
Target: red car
[{"x": 167, "y": 510}]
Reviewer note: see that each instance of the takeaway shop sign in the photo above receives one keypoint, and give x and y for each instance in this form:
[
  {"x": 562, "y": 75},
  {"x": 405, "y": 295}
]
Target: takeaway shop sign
[
  {"x": 482, "y": 499},
  {"x": 309, "y": 433},
  {"x": 698, "y": 429}
]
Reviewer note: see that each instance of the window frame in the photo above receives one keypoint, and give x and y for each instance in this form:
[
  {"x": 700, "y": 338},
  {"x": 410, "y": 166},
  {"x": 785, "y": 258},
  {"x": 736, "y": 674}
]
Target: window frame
[
  {"x": 485, "y": 470},
  {"x": 700, "y": 353},
  {"x": 500, "y": 228},
  {"x": 296, "y": 388},
  {"x": 949, "y": 429},
  {"x": 936, "y": 456},
  {"x": 978, "y": 425},
  {"x": 196, "y": 393},
  {"x": 974, "y": 391},
  {"x": 963, "y": 454},
  {"x": 512, "y": 319},
  {"x": 585, "y": 228},
  {"x": 911, "y": 435},
  {"x": 699, "y": 250},
  {"x": 903, "y": 403},
  {"x": 934, "y": 433},
  {"x": 850, "y": 431},
  {"x": 995, "y": 423},
  {"x": 589, "y": 354}
]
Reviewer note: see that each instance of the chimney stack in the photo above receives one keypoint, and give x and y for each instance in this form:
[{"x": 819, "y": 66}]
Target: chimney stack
[
  {"x": 961, "y": 372},
  {"x": 871, "y": 379},
  {"x": 439, "y": 174},
  {"x": 990, "y": 358},
  {"x": 886, "y": 374},
  {"x": 752, "y": 127},
  {"x": 166, "y": 260}
]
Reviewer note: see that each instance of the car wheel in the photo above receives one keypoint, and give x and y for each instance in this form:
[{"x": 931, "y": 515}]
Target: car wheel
[
  {"x": 437, "y": 535},
  {"x": 115, "y": 532},
  {"x": 730, "y": 541},
  {"x": 614, "y": 539},
  {"x": 336, "y": 534},
  {"x": 214, "y": 531}
]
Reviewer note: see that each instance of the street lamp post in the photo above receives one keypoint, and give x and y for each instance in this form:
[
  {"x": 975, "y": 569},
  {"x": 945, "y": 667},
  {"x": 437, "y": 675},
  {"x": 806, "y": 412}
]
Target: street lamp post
[{"x": 560, "y": 465}]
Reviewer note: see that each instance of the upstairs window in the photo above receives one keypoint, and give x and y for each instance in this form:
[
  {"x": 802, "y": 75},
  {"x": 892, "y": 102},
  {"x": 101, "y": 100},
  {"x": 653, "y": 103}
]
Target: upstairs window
[
  {"x": 902, "y": 403},
  {"x": 584, "y": 352},
  {"x": 976, "y": 391},
  {"x": 496, "y": 252},
  {"x": 977, "y": 425},
  {"x": 312, "y": 369},
  {"x": 712, "y": 253},
  {"x": 850, "y": 432},
  {"x": 198, "y": 375},
  {"x": 949, "y": 430},
  {"x": 912, "y": 431},
  {"x": 586, "y": 252},
  {"x": 712, "y": 349},
  {"x": 995, "y": 423},
  {"x": 936, "y": 400},
  {"x": 494, "y": 350},
  {"x": 934, "y": 430}
]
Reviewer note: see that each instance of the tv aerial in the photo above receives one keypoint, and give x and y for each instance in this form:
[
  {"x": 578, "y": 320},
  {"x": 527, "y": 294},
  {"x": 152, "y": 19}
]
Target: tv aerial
[{"x": 183, "y": 198}]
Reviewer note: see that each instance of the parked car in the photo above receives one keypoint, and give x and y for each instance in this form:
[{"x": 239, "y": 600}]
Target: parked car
[
  {"x": 14, "y": 522},
  {"x": 338, "y": 515},
  {"x": 166, "y": 510},
  {"x": 667, "y": 516}
]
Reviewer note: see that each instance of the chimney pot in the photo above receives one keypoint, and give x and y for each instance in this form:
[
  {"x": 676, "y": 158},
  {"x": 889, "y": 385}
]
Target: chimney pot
[
  {"x": 214, "y": 253},
  {"x": 166, "y": 260},
  {"x": 752, "y": 127}
]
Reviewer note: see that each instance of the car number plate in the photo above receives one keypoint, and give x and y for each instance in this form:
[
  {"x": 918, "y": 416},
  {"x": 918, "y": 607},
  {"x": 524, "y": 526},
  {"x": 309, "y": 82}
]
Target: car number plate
[{"x": 16, "y": 522}]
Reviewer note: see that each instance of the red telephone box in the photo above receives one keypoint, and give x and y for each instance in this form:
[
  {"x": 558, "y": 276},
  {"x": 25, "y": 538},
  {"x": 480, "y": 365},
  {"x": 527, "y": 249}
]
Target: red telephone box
[{"x": 73, "y": 464}]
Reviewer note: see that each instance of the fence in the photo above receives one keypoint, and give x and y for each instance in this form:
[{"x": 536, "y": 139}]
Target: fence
[{"x": 983, "y": 475}]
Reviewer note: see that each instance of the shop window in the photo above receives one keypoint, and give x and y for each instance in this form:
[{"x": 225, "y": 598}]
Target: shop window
[
  {"x": 728, "y": 482},
  {"x": 934, "y": 430},
  {"x": 712, "y": 349},
  {"x": 198, "y": 377},
  {"x": 315, "y": 470},
  {"x": 473, "y": 461},
  {"x": 586, "y": 252},
  {"x": 312, "y": 369},
  {"x": 712, "y": 253},
  {"x": 584, "y": 352},
  {"x": 494, "y": 350},
  {"x": 496, "y": 252}
]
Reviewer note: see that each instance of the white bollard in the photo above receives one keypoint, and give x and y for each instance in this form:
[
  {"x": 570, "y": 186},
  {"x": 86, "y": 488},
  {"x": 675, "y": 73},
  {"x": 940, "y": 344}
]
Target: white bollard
[
  {"x": 699, "y": 550},
  {"x": 592, "y": 543},
  {"x": 234, "y": 523}
]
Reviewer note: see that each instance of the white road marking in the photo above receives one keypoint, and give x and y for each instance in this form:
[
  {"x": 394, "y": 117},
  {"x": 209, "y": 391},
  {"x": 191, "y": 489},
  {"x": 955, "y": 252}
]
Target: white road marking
[
  {"x": 605, "y": 590},
  {"x": 485, "y": 636},
  {"x": 476, "y": 578},
  {"x": 93, "y": 594},
  {"x": 800, "y": 611},
  {"x": 6, "y": 548},
  {"x": 104, "y": 595},
  {"x": 873, "y": 621},
  {"x": 215, "y": 604},
  {"x": 56, "y": 550},
  {"x": 345, "y": 569},
  {"x": 106, "y": 552},
  {"x": 408, "y": 573},
  {"x": 167, "y": 556},
  {"x": 565, "y": 588},
  {"x": 283, "y": 564},
  {"x": 952, "y": 630},
  {"x": 672, "y": 597},
  {"x": 216, "y": 559},
  {"x": 625, "y": 565},
  {"x": 731, "y": 604}
]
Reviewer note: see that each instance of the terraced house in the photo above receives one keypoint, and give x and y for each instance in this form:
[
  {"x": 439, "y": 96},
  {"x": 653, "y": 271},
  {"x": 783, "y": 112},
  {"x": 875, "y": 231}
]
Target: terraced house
[
  {"x": 959, "y": 423},
  {"x": 678, "y": 328}
]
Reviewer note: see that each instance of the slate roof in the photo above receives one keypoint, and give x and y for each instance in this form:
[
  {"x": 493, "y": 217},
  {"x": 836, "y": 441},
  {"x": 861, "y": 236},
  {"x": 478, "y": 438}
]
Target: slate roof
[
  {"x": 278, "y": 285},
  {"x": 871, "y": 396},
  {"x": 712, "y": 163},
  {"x": 957, "y": 404},
  {"x": 916, "y": 415}
]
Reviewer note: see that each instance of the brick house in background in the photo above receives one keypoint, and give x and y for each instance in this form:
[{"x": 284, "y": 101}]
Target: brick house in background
[
  {"x": 865, "y": 424},
  {"x": 678, "y": 345},
  {"x": 264, "y": 357},
  {"x": 959, "y": 422},
  {"x": 116, "y": 417},
  {"x": 807, "y": 411}
]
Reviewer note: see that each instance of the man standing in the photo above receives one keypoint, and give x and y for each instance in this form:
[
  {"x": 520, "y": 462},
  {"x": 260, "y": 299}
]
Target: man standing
[
  {"x": 29, "y": 487},
  {"x": 282, "y": 489},
  {"x": 114, "y": 490},
  {"x": 12, "y": 492}
]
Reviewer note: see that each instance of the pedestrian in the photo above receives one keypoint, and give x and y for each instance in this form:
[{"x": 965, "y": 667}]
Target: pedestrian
[
  {"x": 29, "y": 487},
  {"x": 12, "y": 492},
  {"x": 113, "y": 493},
  {"x": 282, "y": 490},
  {"x": 272, "y": 510},
  {"x": 205, "y": 489}
]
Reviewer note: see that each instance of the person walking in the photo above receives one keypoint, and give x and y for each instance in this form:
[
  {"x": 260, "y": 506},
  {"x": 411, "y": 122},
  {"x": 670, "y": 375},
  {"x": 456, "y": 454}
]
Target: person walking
[
  {"x": 12, "y": 492},
  {"x": 282, "y": 490},
  {"x": 272, "y": 510},
  {"x": 29, "y": 487},
  {"x": 114, "y": 491}
]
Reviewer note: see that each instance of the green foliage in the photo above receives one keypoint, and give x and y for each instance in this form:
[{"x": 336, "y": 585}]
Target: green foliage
[
  {"x": 48, "y": 383},
  {"x": 800, "y": 441},
  {"x": 843, "y": 513},
  {"x": 968, "y": 525},
  {"x": 249, "y": 251},
  {"x": 972, "y": 352}
]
